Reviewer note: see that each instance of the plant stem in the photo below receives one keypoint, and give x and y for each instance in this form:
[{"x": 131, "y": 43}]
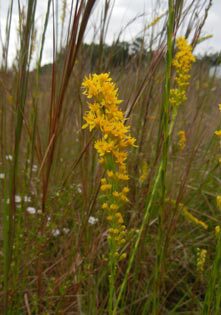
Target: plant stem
[{"x": 159, "y": 272}]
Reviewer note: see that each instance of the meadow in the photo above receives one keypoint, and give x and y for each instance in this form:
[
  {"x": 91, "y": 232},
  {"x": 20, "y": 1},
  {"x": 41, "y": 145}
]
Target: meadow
[{"x": 110, "y": 186}]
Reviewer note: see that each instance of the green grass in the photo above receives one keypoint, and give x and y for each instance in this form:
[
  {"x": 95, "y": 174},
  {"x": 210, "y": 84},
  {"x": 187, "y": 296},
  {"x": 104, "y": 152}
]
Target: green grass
[{"x": 53, "y": 261}]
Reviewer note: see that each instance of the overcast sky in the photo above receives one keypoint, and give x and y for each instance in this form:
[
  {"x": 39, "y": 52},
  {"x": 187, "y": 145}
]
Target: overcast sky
[{"x": 123, "y": 12}]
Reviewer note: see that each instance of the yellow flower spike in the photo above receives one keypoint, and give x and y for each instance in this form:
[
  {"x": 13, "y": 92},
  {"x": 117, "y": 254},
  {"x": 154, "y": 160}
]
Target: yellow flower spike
[
  {"x": 182, "y": 139},
  {"x": 182, "y": 63},
  {"x": 201, "y": 259},
  {"x": 219, "y": 107},
  {"x": 193, "y": 219},
  {"x": 114, "y": 139},
  {"x": 218, "y": 201},
  {"x": 217, "y": 230}
]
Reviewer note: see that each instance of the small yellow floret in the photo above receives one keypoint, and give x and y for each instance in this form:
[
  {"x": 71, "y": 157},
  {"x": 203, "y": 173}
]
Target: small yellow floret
[
  {"x": 182, "y": 139},
  {"x": 217, "y": 230},
  {"x": 114, "y": 206},
  {"x": 110, "y": 173},
  {"x": 125, "y": 190},
  {"x": 218, "y": 133},
  {"x": 119, "y": 218},
  {"x": 218, "y": 201},
  {"x": 123, "y": 256},
  {"x": 104, "y": 205},
  {"x": 105, "y": 187},
  {"x": 103, "y": 181},
  {"x": 122, "y": 176},
  {"x": 116, "y": 194}
]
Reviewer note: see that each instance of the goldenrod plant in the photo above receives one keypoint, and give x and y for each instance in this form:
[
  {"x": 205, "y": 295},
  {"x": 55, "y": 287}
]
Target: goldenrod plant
[
  {"x": 113, "y": 141},
  {"x": 93, "y": 221},
  {"x": 182, "y": 64}
]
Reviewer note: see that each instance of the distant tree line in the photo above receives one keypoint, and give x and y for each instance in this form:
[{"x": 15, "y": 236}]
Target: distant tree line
[
  {"x": 212, "y": 59},
  {"x": 119, "y": 54}
]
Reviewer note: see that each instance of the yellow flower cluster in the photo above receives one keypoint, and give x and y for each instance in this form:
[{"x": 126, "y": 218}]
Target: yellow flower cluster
[
  {"x": 193, "y": 219},
  {"x": 182, "y": 63},
  {"x": 105, "y": 116},
  {"x": 182, "y": 139},
  {"x": 189, "y": 216},
  {"x": 201, "y": 259}
]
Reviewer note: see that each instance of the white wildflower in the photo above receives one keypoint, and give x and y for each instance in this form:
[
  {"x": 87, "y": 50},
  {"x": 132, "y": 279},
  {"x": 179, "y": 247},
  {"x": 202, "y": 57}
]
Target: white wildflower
[
  {"x": 17, "y": 199},
  {"x": 79, "y": 189},
  {"x": 34, "y": 168},
  {"x": 92, "y": 220},
  {"x": 9, "y": 157},
  {"x": 27, "y": 199},
  {"x": 66, "y": 230},
  {"x": 31, "y": 210},
  {"x": 55, "y": 232}
]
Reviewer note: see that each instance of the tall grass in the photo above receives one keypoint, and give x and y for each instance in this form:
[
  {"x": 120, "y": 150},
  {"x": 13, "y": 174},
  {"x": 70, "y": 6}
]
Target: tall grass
[{"x": 55, "y": 257}]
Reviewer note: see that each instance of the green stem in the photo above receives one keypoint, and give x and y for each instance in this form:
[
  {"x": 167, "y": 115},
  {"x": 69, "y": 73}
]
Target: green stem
[
  {"x": 213, "y": 294},
  {"x": 159, "y": 272},
  {"x": 137, "y": 242},
  {"x": 112, "y": 277},
  {"x": 162, "y": 168}
]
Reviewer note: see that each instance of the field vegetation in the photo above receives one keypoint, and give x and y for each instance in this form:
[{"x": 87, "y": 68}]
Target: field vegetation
[{"x": 110, "y": 187}]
